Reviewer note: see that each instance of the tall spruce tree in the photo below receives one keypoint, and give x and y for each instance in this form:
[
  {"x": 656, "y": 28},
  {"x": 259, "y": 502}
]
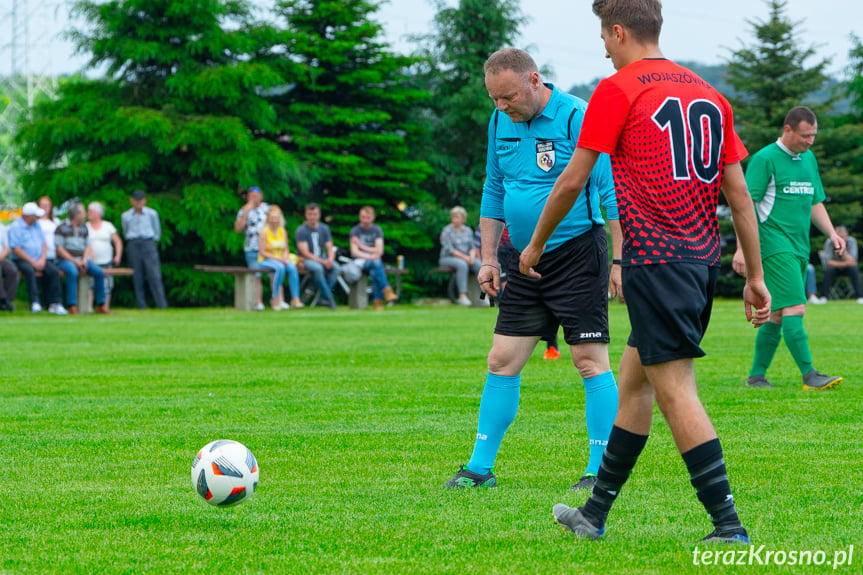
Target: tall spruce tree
[
  {"x": 839, "y": 147},
  {"x": 854, "y": 83},
  {"x": 770, "y": 77},
  {"x": 178, "y": 114},
  {"x": 458, "y": 111},
  {"x": 346, "y": 116}
]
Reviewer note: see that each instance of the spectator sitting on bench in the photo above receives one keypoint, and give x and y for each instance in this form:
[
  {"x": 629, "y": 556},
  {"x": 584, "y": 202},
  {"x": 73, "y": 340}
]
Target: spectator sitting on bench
[
  {"x": 275, "y": 254},
  {"x": 811, "y": 287},
  {"x": 48, "y": 222},
  {"x": 29, "y": 254},
  {"x": 8, "y": 274},
  {"x": 457, "y": 251},
  {"x": 841, "y": 264},
  {"x": 75, "y": 257},
  {"x": 251, "y": 219},
  {"x": 367, "y": 244},
  {"x": 315, "y": 245},
  {"x": 106, "y": 245}
]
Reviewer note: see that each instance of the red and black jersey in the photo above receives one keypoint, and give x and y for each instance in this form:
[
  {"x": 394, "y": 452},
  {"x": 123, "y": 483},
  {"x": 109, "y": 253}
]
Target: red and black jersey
[
  {"x": 504, "y": 239},
  {"x": 670, "y": 135}
]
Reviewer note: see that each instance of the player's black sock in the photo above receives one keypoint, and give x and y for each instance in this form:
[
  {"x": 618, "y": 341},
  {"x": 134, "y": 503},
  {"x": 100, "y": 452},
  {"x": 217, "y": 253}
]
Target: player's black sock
[
  {"x": 619, "y": 458},
  {"x": 708, "y": 476}
]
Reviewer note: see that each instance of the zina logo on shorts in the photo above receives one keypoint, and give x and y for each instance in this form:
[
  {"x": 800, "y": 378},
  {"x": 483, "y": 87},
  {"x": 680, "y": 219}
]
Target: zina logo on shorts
[{"x": 590, "y": 334}]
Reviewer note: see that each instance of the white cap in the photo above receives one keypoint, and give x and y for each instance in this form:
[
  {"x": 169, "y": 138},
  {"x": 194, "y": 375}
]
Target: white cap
[{"x": 31, "y": 209}]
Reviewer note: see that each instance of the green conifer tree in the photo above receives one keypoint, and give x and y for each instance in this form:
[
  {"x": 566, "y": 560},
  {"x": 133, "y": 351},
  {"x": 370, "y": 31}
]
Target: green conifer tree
[
  {"x": 179, "y": 114},
  {"x": 770, "y": 77},
  {"x": 346, "y": 116},
  {"x": 458, "y": 112}
]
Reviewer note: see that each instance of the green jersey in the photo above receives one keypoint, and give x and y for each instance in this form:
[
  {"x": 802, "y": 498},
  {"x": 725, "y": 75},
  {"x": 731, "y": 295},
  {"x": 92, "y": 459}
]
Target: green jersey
[{"x": 784, "y": 187}]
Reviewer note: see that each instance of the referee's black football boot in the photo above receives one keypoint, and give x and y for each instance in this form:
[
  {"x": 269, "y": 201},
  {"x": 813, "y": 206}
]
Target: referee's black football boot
[
  {"x": 815, "y": 380},
  {"x": 586, "y": 482},
  {"x": 736, "y": 535},
  {"x": 466, "y": 478}
]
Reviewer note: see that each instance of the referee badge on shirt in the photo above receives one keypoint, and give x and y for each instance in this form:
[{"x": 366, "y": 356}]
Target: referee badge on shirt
[{"x": 545, "y": 155}]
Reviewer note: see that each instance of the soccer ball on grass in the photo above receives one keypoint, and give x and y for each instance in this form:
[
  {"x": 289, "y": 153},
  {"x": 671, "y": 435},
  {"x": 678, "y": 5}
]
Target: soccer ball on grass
[{"x": 224, "y": 473}]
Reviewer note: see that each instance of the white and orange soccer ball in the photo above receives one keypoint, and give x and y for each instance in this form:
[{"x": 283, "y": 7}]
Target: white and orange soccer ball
[{"x": 224, "y": 472}]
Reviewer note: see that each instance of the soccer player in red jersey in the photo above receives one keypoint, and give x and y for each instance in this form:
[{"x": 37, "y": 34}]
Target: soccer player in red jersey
[{"x": 672, "y": 144}]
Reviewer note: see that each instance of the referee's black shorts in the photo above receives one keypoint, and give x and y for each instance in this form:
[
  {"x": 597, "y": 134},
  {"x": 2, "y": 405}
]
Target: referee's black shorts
[
  {"x": 669, "y": 308},
  {"x": 572, "y": 292}
]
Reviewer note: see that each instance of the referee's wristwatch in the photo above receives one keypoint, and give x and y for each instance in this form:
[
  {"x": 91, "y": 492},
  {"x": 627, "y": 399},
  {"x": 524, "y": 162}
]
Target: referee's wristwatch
[{"x": 615, "y": 262}]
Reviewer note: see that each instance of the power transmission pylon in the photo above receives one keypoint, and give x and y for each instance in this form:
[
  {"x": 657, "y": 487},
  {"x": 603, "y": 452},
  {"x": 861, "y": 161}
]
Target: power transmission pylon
[{"x": 31, "y": 28}]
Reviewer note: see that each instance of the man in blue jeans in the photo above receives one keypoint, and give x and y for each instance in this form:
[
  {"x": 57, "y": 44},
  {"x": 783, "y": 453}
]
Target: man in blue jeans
[
  {"x": 367, "y": 244},
  {"x": 75, "y": 257},
  {"x": 315, "y": 245},
  {"x": 251, "y": 219}
]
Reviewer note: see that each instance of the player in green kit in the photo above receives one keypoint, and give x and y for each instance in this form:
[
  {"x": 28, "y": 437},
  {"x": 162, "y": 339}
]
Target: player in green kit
[{"x": 784, "y": 183}]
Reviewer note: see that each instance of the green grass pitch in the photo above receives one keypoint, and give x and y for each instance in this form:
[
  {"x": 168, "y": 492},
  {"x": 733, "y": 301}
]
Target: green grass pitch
[{"x": 358, "y": 418}]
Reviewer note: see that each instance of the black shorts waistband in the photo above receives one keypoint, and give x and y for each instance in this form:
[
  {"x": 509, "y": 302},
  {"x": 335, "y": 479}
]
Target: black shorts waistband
[{"x": 553, "y": 257}]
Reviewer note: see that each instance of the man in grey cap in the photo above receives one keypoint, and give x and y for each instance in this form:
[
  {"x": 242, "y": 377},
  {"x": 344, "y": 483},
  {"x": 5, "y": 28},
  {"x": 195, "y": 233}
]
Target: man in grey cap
[
  {"x": 27, "y": 243},
  {"x": 142, "y": 230}
]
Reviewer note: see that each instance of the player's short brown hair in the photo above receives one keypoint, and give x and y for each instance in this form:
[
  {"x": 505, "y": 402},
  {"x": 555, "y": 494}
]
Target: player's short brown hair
[
  {"x": 642, "y": 18},
  {"x": 513, "y": 59},
  {"x": 799, "y": 114}
]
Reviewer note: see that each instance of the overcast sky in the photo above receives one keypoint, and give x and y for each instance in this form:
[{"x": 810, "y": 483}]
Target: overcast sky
[{"x": 563, "y": 34}]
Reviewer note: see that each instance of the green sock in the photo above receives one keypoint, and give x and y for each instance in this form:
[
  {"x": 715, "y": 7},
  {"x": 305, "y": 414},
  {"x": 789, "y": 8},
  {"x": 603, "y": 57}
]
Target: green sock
[
  {"x": 766, "y": 342},
  {"x": 797, "y": 342}
]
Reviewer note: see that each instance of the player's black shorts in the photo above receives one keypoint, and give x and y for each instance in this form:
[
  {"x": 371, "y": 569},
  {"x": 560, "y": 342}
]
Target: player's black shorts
[
  {"x": 669, "y": 309},
  {"x": 572, "y": 292}
]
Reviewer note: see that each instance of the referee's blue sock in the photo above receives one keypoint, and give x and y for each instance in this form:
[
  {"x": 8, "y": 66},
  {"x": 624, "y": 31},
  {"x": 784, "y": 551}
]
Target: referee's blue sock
[
  {"x": 600, "y": 409},
  {"x": 497, "y": 410}
]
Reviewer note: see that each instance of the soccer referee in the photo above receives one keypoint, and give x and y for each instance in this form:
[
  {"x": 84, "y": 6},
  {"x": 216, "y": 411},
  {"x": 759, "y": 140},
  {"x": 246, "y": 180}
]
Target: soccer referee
[{"x": 531, "y": 138}]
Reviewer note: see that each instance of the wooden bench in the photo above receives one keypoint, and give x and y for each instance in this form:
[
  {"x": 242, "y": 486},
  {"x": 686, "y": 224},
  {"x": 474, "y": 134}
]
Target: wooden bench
[
  {"x": 85, "y": 293},
  {"x": 244, "y": 285},
  {"x": 85, "y": 296},
  {"x": 473, "y": 291},
  {"x": 359, "y": 296}
]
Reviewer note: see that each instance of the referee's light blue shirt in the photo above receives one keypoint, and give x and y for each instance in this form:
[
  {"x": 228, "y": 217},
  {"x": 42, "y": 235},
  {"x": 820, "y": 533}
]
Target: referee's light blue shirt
[{"x": 525, "y": 159}]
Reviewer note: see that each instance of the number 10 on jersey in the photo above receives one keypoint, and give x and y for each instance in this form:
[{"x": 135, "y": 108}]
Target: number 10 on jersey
[{"x": 701, "y": 125}]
